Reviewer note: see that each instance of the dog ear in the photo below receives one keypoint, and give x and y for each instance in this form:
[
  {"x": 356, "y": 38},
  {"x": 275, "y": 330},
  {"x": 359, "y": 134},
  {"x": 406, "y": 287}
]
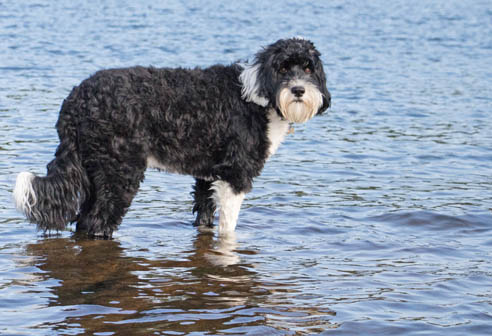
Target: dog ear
[
  {"x": 268, "y": 62},
  {"x": 266, "y": 80},
  {"x": 326, "y": 101},
  {"x": 267, "y": 75},
  {"x": 320, "y": 74}
]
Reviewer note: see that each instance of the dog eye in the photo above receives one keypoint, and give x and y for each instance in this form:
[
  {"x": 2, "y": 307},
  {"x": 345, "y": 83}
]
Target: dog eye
[
  {"x": 283, "y": 70},
  {"x": 306, "y": 67}
]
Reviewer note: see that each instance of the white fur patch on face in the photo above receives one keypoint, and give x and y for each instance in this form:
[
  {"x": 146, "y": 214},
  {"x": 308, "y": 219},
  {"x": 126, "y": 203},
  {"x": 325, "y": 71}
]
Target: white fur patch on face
[
  {"x": 229, "y": 204},
  {"x": 24, "y": 195},
  {"x": 249, "y": 91},
  {"x": 299, "y": 109}
]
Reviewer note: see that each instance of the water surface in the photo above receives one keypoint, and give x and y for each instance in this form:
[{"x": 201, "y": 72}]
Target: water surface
[{"x": 374, "y": 218}]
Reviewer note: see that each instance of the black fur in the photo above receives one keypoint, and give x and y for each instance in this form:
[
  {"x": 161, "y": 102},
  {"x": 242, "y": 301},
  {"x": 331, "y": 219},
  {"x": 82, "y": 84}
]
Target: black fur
[
  {"x": 191, "y": 121},
  {"x": 204, "y": 205}
]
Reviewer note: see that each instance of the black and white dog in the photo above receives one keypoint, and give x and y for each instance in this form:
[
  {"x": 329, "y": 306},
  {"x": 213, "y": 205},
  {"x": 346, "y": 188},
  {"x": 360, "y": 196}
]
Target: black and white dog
[{"x": 219, "y": 124}]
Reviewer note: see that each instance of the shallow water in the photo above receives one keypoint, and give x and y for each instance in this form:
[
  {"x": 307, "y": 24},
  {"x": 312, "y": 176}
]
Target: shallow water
[{"x": 374, "y": 218}]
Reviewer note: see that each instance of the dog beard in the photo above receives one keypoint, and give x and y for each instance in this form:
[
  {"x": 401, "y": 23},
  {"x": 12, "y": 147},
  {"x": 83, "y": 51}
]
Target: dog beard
[{"x": 299, "y": 109}]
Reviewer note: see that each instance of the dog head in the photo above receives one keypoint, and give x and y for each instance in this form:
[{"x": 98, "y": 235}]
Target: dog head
[{"x": 287, "y": 75}]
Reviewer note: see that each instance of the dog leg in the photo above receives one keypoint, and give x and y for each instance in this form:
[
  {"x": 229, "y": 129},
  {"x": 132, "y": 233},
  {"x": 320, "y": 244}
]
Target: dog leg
[
  {"x": 229, "y": 203},
  {"x": 105, "y": 210},
  {"x": 204, "y": 204},
  {"x": 114, "y": 183}
]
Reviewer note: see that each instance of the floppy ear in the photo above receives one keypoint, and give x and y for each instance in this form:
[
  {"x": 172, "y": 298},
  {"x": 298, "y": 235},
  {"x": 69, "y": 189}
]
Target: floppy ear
[
  {"x": 320, "y": 74},
  {"x": 267, "y": 76},
  {"x": 326, "y": 100}
]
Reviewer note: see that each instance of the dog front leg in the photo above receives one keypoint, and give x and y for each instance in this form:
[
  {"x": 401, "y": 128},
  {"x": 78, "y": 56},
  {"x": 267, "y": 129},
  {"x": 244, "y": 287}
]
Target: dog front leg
[
  {"x": 229, "y": 203},
  {"x": 204, "y": 203}
]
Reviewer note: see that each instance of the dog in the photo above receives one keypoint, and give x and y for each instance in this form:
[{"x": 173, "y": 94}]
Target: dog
[{"x": 218, "y": 124}]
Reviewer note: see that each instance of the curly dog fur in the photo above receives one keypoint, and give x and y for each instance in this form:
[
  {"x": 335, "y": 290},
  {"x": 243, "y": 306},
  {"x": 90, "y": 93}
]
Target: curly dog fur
[{"x": 218, "y": 124}]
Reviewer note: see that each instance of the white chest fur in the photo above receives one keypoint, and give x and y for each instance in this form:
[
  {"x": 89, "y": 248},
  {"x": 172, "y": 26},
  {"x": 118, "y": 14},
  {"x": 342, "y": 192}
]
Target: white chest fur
[{"x": 277, "y": 129}]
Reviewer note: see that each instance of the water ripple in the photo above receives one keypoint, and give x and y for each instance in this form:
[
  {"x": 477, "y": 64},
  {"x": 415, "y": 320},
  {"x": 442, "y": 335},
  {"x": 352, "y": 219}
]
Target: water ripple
[{"x": 373, "y": 218}]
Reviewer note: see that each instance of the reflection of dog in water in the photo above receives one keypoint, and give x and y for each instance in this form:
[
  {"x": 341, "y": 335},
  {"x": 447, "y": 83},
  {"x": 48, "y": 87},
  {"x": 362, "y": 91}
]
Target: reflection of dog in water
[{"x": 219, "y": 124}]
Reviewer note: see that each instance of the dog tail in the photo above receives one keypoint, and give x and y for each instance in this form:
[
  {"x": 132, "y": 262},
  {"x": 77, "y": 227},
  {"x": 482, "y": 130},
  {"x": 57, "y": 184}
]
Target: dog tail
[{"x": 54, "y": 200}]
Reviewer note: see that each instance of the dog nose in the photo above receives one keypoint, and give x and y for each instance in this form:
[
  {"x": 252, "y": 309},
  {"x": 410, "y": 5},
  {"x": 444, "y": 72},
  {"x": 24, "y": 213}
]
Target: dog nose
[{"x": 298, "y": 91}]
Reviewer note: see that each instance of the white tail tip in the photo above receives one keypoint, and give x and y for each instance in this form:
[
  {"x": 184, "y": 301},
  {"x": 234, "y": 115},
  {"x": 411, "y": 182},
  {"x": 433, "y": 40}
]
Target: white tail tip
[{"x": 24, "y": 195}]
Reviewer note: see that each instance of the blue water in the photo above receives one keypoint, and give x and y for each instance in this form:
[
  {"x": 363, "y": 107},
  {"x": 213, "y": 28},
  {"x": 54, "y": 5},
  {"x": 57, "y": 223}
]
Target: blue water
[{"x": 373, "y": 219}]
